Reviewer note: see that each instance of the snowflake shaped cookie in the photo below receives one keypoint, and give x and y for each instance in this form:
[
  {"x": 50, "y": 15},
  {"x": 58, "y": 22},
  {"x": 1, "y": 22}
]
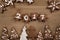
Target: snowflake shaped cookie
[{"x": 53, "y": 5}]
